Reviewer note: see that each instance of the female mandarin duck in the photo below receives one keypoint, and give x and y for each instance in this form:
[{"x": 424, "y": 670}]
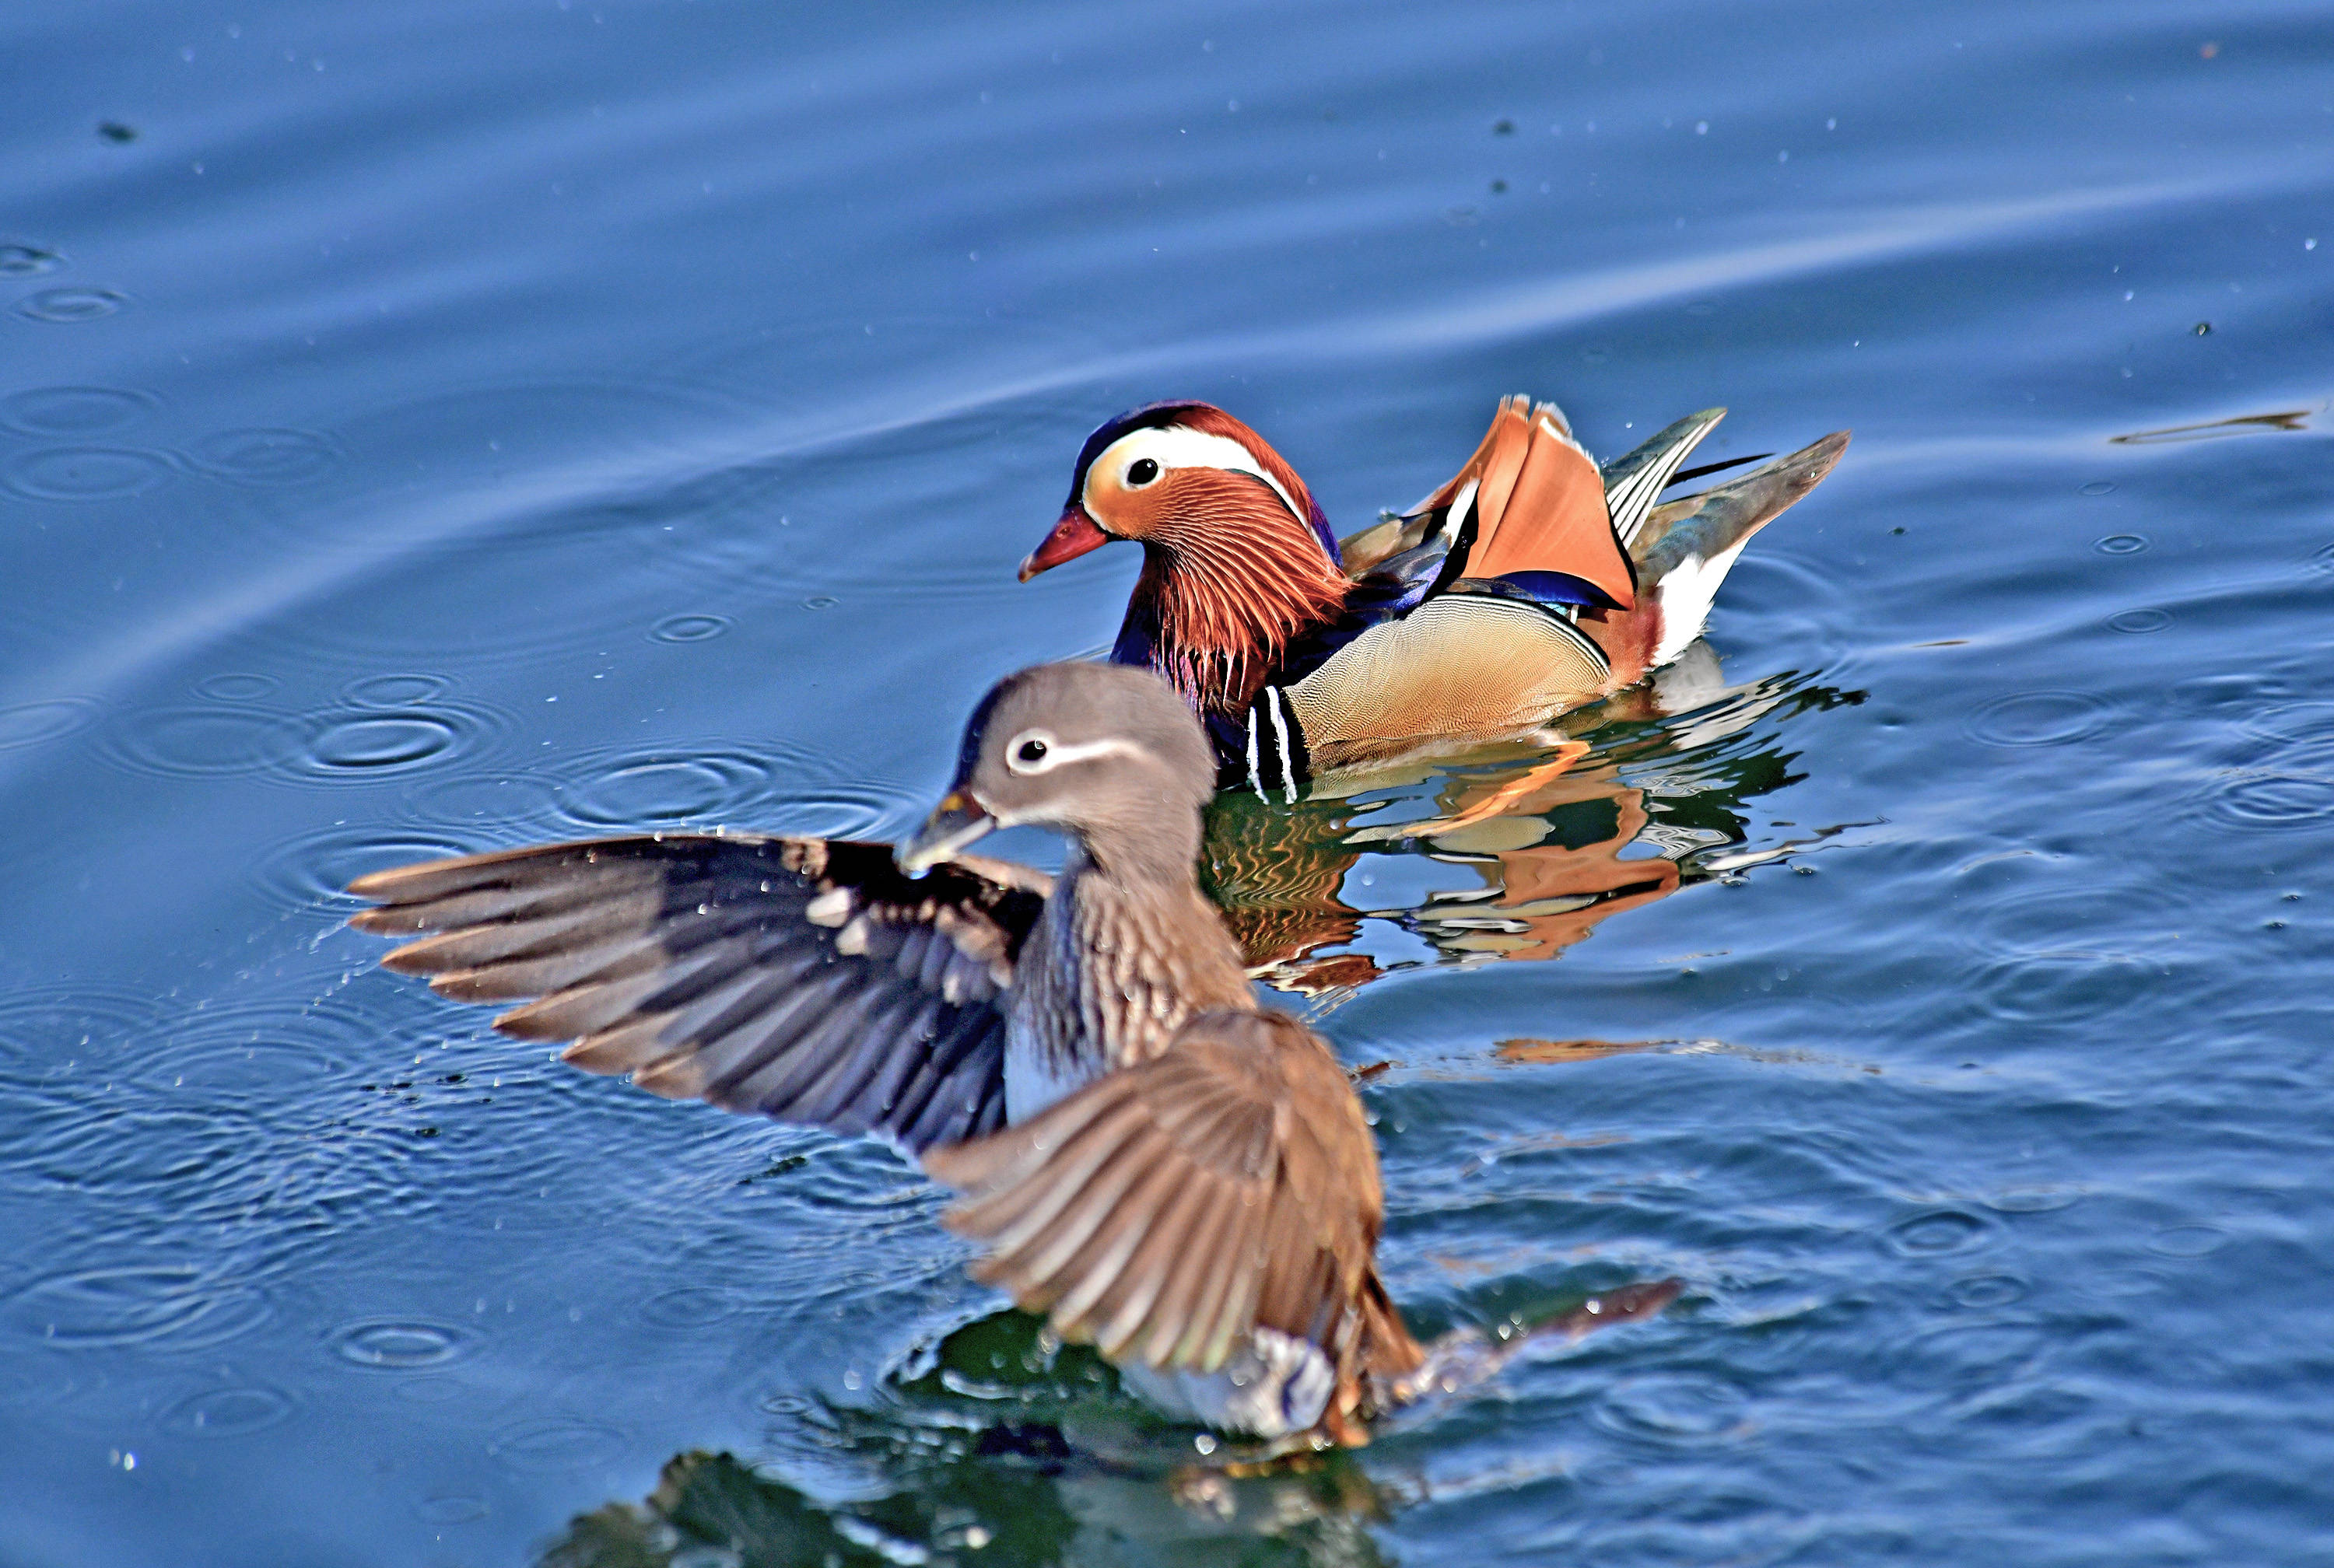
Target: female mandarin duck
[
  {"x": 1157, "y": 1164},
  {"x": 1528, "y": 584}
]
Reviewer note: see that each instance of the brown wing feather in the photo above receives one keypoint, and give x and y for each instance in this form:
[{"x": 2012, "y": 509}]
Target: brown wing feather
[
  {"x": 1243, "y": 1192},
  {"x": 804, "y": 979}
]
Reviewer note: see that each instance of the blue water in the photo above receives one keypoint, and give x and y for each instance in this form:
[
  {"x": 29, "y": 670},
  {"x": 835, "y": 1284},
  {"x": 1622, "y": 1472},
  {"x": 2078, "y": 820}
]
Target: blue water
[{"x": 431, "y": 427}]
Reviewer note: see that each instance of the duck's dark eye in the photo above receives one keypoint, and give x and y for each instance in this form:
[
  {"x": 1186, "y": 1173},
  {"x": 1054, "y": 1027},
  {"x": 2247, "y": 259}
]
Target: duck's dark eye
[
  {"x": 1142, "y": 471},
  {"x": 1030, "y": 751}
]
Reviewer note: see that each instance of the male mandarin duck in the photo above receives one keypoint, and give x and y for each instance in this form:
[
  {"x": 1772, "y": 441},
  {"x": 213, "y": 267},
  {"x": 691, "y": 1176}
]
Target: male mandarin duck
[
  {"x": 1530, "y": 583},
  {"x": 1156, "y": 1163}
]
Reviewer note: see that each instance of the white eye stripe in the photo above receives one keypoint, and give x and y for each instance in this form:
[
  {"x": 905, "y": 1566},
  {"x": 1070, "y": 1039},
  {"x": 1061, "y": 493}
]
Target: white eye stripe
[
  {"x": 1180, "y": 446},
  {"x": 1060, "y": 751}
]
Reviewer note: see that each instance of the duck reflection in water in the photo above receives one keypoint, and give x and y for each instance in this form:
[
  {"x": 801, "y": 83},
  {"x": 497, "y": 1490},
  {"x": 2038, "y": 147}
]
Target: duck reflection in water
[
  {"x": 931, "y": 1471},
  {"x": 1650, "y": 799}
]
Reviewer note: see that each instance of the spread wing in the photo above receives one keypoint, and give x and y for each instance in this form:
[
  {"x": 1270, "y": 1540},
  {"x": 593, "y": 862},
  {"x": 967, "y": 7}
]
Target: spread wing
[
  {"x": 805, "y": 980},
  {"x": 1163, "y": 1211}
]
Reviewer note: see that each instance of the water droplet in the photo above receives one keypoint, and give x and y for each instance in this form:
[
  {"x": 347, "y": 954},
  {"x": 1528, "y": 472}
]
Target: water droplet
[{"x": 72, "y": 304}]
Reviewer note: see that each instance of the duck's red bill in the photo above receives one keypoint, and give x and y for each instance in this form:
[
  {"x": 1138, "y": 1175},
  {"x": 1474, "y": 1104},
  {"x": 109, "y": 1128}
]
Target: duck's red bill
[{"x": 1072, "y": 537}]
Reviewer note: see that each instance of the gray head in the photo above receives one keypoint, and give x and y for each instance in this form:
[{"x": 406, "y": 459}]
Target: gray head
[{"x": 1105, "y": 753}]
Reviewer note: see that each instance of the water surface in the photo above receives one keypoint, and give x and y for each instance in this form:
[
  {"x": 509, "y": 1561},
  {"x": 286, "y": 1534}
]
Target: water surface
[{"x": 428, "y": 427}]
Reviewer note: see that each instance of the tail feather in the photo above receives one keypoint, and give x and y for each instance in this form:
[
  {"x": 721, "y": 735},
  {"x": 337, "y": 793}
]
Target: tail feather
[
  {"x": 1687, "y": 547},
  {"x": 1634, "y": 481}
]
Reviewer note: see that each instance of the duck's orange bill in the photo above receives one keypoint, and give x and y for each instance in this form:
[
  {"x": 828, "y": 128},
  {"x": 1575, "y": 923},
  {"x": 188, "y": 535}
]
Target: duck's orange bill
[{"x": 1072, "y": 537}]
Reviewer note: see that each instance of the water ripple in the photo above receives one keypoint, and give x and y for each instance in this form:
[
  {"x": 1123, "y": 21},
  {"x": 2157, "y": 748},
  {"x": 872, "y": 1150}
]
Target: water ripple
[
  {"x": 1938, "y": 1233},
  {"x": 398, "y": 690},
  {"x": 555, "y": 1444},
  {"x": 863, "y": 809},
  {"x": 75, "y": 411},
  {"x": 267, "y": 455},
  {"x": 186, "y": 1155},
  {"x": 2055, "y": 987},
  {"x": 242, "y": 1048},
  {"x": 378, "y": 739},
  {"x": 668, "y": 786},
  {"x": 690, "y": 1306},
  {"x": 690, "y": 628},
  {"x": 213, "y": 742},
  {"x": 451, "y": 1508},
  {"x": 2270, "y": 802},
  {"x": 235, "y": 687},
  {"x": 19, "y": 259},
  {"x": 229, "y": 1412},
  {"x": 164, "y": 1306},
  {"x": 2025, "y": 923},
  {"x": 473, "y": 799},
  {"x": 1685, "y": 1411},
  {"x": 2040, "y": 718},
  {"x": 1983, "y": 1292},
  {"x": 310, "y": 872},
  {"x": 400, "y": 1344},
  {"x": 231, "y": 739},
  {"x": 86, "y": 473},
  {"x": 72, "y": 304},
  {"x": 54, "y": 1026},
  {"x": 2188, "y": 1240},
  {"x": 32, "y": 723}
]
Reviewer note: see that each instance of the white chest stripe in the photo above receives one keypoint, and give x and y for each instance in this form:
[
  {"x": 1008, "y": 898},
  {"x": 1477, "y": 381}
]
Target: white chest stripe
[{"x": 1280, "y": 730}]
